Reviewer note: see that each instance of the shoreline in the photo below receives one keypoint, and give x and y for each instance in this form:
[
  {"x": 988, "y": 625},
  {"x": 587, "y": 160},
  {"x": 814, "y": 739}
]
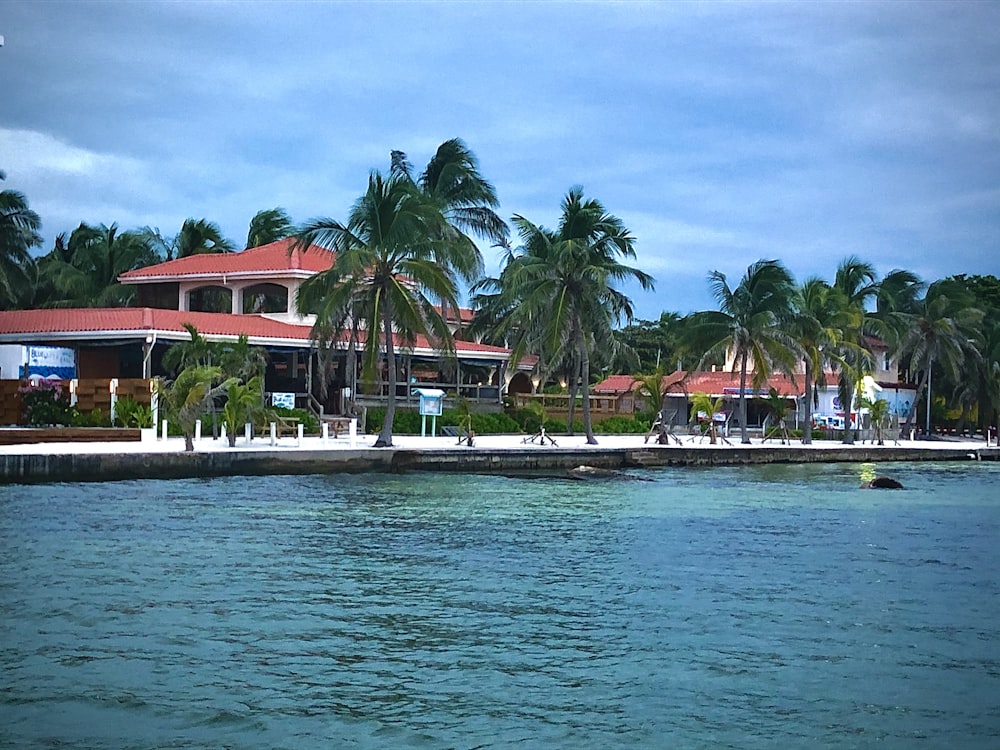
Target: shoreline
[{"x": 491, "y": 454}]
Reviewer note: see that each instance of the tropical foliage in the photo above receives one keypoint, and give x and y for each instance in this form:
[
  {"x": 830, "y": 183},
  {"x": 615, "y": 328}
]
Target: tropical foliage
[
  {"x": 84, "y": 271},
  {"x": 191, "y": 394},
  {"x": 557, "y": 296},
  {"x": 401, "y": 258},
  {"x": 749, "y": 326},
  {"x": 269, "y": 225},
  {"x": 19, "y": 233}
]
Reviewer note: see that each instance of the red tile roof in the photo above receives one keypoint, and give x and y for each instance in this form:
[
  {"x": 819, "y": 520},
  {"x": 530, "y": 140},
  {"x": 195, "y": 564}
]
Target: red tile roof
[
  {"x": 717, "y": 383},
  {"x": 266, "y": 259},
  {"x": 74, "y": 323},
  {"x": 100, "y": 324}
]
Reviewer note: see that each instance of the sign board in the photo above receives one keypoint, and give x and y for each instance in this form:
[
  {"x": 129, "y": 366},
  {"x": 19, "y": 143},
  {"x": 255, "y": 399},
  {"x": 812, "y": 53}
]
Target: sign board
[
  {"x": 283, "y": 400},
  {"x": 49, "y": 362},
  {"x": 431, "y": 401}
]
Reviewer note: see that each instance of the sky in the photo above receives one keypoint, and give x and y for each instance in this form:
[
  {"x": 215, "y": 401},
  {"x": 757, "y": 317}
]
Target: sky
[{"x": 720, "y": 133}]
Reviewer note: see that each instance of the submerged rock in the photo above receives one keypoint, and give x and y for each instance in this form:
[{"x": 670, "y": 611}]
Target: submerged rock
[
  {"x": 593, "y": 472},
  {"x": 882, "y": 483}
]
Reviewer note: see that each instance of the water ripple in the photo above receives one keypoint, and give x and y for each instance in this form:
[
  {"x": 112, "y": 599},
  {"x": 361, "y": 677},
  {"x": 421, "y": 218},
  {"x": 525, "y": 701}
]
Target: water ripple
[{"x": 727, "y": 607}]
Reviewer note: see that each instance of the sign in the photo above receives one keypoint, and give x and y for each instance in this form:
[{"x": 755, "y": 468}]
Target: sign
[
  {"x": 431, "y": 401},
  {"x": 750, "y": 392},
  {"x": 283, "y": 400},
  {"x": 54, "y": 362},
  {"x": 431, "y": 405}
]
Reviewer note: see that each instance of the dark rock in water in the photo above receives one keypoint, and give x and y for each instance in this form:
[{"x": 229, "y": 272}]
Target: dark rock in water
[
  {"x": 882, "y": 483},
  {"x": 592, "y": 472}
]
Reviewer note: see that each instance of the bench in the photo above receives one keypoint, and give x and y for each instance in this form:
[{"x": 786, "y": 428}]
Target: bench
[
  {"x": 282, "y": 426},
  {"x": 336, "y": 424}
]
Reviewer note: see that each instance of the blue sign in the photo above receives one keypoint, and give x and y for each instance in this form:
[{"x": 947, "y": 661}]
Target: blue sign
[{"x": 50, "y": 362}]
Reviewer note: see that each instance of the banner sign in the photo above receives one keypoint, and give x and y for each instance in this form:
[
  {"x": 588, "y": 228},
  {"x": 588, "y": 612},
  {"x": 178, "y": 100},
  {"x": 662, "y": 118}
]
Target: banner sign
[{"x": 53, "y": 362}]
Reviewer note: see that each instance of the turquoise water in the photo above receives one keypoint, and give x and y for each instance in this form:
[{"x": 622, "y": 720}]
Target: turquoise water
[{"x": 725, "y": 607}]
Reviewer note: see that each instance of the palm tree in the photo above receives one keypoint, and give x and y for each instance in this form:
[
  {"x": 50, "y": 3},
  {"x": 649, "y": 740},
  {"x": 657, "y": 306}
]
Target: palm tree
[
  {"x": 749, "y": 326},
  {"x": 200, "y": 236},
  {"x": 559, "y": 288},
  {"x": 393, "y": 260},
  {"x": 241, "y": 360},
  {"x": 702, "y": 403},
  {"x": 198, "y": 352},
  {"x": 650, "y": 386},
  {"x": 188, "y": 396},
  {"x": 878, "y": 413},
  {"x": 269, "y": 225},
  {"x": 817, "y": 322},
  {"x": 452, "y": 180},
  {"x": 944, "y": 331},
  {"x": 244, "y": 401},
  {"x": 19, "y": 227},
  {"x": 467, "y": 200},
  {"x": 84, "y": 271},
  {"x": 856, "y": 282}
]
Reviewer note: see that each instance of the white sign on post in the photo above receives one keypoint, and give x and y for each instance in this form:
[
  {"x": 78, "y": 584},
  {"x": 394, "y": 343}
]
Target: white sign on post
[{"x": 431, "y": 405}]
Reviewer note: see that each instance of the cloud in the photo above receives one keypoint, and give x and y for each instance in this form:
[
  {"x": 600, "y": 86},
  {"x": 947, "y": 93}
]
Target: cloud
[{"x": 720, "y": 132}]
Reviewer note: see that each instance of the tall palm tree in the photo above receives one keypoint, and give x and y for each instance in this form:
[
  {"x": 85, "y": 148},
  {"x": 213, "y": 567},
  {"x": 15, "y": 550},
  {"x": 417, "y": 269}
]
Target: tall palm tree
[
  {"x": 748, "y": 326},
  {"x": 19, "y": 227},
  {"x": 84, "y": 272},
  {"x": 269, "y": 225},
  {"x": 944, "y": 332},
  {"x": 467, "y": 200},
  {"x": 393, "y": 260},
  {"x": 857, "y": 283},
  {"x": 817, "y": 323},
  {"x": 452, "y": 180},
  {"x": 560, "y": 288}
]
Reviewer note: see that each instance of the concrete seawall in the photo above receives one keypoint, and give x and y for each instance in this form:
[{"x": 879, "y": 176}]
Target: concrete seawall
[{"x": 111, "y": 465}]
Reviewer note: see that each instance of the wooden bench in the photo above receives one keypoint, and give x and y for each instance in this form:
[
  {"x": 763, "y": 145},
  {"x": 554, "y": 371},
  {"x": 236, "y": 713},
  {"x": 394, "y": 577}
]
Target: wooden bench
[
  {"x": 282, "y": 426},
  {"x": 337, "y": 424}
]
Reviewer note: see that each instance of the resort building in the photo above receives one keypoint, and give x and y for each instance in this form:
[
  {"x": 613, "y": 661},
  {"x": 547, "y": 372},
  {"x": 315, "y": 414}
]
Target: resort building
[
  {"x": 253, "y": 293},
  {"x": 620, "y": 394}
]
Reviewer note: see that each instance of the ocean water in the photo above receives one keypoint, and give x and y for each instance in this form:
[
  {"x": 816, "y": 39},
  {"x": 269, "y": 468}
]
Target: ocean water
[{"x": 694, "y": 608}]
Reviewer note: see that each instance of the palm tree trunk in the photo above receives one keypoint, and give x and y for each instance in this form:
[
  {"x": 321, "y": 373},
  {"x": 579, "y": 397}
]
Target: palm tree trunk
[
  {"x": 916, "y": 400},
  {"x": 807, "y": 417},
  {"x": 849, "y": 402},
  {"x": 574, "y": 372},
  {"x": 585, "y": 377},
  {"x": 385, "y": 437},
  {"x": 744, "y": 434}
]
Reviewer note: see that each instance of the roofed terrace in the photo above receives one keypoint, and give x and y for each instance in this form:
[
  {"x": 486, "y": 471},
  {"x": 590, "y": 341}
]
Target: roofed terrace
[{"x": 261, "y": 279}]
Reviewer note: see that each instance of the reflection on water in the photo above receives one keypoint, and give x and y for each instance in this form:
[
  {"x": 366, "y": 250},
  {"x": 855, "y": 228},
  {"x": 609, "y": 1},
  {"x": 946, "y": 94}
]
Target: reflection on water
[{"x": 720, "y": 607}]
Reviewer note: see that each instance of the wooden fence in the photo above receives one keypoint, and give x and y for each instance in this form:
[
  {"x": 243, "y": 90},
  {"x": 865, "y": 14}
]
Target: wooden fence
[{"x": 87, "y": 394}]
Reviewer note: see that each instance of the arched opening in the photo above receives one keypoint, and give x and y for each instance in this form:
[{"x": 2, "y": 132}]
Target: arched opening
[
  {"x": 265, "y": 298},
  {"x": 520, "y": 383},
  {"x": 210, "y": 299}
]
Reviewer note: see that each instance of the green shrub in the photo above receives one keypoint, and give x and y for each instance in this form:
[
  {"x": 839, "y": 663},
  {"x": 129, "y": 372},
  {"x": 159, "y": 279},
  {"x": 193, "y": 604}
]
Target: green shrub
[
  {"x": 130, "y": 413},
  {"x": 622, "y": 425},
  {"x": 310, "y": 425},
  {"x": 93, "y": 418},
  {"x": 404, "y": 421}
]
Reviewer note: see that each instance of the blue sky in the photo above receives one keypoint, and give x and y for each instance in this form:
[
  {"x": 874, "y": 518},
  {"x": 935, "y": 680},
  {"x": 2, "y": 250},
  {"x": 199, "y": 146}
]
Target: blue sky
[{"x": 719, "y": 132}]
